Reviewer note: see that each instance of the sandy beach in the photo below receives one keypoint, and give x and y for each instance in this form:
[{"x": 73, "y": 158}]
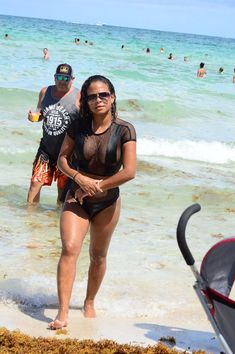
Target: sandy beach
[{"x": 135, "y": 331}]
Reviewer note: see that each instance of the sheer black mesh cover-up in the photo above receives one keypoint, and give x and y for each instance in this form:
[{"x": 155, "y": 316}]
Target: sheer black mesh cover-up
[{"x": 99, "y": 155}]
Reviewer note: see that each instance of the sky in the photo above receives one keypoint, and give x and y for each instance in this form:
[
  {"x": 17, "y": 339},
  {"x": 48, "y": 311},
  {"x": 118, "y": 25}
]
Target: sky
[{"x": 209, "y": 17}]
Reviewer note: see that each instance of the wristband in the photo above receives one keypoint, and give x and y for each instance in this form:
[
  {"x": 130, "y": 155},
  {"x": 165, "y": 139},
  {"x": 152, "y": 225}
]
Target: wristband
[{"x": 75, "y": 175}]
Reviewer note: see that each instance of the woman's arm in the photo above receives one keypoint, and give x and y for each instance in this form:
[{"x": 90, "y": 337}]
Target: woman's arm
[
  {"x": 127, "y": 172},
  {"x": 65, "y": 154},
  {"x": 89, "y": 185}
]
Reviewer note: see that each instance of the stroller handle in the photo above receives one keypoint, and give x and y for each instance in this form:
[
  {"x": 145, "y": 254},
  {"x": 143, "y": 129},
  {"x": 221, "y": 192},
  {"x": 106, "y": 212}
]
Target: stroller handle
[{"x": 181, "y": 233}]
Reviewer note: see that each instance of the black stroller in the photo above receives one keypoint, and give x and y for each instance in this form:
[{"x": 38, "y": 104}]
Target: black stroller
[{"x": 214, "y": 282}]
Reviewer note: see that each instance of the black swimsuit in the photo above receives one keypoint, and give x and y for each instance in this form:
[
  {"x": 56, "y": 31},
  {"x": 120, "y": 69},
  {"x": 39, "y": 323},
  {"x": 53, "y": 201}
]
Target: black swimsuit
[
  {"x": 101, "y": 155},
  {"x": 92, "y": 207}
]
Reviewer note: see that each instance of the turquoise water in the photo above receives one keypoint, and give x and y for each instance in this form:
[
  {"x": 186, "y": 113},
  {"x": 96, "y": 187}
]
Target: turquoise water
[{"x": 186, "y": 153}]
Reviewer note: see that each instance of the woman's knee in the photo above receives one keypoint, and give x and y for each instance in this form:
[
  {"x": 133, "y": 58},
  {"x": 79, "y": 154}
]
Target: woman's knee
[
  {"x": 97, "y": 259},
  {"x": 69, "y": 249}
]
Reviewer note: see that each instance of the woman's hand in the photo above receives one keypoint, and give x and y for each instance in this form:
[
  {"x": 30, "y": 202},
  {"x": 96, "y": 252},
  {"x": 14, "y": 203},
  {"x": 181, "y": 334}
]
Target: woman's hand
[
  {"x": 89, "y": 185},
  {"x": 80, "y": 195}
]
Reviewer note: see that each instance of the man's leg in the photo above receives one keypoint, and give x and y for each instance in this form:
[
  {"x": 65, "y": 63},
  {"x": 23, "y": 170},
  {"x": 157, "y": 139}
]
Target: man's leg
[
  {"x": 34, "y": 192},
  {"x": 42, "y": 175}
]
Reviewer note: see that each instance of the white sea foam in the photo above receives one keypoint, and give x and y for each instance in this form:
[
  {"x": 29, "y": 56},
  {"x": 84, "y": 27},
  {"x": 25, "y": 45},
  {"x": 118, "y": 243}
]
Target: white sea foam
[
  {"x": 212, "y": 152},
  {"x": 12, "y": 150},
  {"x": 34, "y": 291},
  {"x": 39, "y": 291}
]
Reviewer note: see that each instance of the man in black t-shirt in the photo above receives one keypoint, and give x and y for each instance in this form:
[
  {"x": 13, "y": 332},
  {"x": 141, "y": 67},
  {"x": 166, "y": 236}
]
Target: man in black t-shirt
[{"x": 57, "y": 107}]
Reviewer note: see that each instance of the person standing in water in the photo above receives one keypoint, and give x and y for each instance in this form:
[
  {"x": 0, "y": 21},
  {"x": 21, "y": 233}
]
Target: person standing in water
[
  {"x": 221, "y": 70},
  {"x": 234, "y": 76},
  {"x": 45, "y": 53},
  {"x": 104, "y": 147},
  {"x": 57, "y": 107},
  {"x": 201, "y": 71}
]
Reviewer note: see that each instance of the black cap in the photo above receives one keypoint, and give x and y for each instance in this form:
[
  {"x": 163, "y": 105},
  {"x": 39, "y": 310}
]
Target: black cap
[{"x": 64, "y": 69}]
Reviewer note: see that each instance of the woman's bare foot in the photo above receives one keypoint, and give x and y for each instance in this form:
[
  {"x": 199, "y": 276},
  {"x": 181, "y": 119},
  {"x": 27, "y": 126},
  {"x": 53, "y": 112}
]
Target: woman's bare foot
[
  {"x": 88, "y": 309},
  {"x": 58, "y": 323}
]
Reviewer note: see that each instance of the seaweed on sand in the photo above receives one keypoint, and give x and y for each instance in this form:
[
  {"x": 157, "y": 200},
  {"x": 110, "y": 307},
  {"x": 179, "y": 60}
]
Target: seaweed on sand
[{"x": 19, "y": 343}]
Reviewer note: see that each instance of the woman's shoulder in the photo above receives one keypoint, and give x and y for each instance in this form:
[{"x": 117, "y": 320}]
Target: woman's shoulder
[
  {"x": 123, "y": 123},
  {"x": 127, "y": 130}
]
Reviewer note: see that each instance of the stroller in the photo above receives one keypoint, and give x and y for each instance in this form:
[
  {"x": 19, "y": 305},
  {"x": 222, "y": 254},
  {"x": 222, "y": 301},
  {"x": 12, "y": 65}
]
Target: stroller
[{"x": 214, "y": 282}]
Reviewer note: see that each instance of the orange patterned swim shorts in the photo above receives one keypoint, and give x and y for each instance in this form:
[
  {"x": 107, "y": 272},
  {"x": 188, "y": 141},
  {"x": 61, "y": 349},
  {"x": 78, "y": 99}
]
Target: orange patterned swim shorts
[{"x": 46, "y": 173}]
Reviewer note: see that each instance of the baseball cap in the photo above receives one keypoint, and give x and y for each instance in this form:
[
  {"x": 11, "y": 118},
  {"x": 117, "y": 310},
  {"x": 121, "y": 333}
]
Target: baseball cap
[{"x": 64, "y": 69}]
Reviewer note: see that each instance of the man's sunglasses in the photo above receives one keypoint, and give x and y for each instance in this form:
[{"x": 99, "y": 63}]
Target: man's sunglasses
[
  {"x": 101, "y": 95},
  {"x": 62, "y": 77}
]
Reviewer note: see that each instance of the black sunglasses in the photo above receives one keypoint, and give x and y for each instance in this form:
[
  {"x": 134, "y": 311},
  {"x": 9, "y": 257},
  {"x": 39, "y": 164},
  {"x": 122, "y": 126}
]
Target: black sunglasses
[
  {"x": 59, "y": 77},
  {"x": 101, "y": 95}
]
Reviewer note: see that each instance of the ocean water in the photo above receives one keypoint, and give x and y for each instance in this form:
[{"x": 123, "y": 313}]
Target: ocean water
[{"x": 186, "y": 154}]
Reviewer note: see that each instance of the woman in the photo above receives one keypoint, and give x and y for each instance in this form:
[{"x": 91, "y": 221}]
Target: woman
[{"x": 104, "y": 149}]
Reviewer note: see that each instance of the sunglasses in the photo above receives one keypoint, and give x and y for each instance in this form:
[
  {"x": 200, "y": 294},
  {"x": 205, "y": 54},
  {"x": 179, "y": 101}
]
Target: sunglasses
[
  {"x": 62, "y": 77},
  {"x": 101, "y": 95}
]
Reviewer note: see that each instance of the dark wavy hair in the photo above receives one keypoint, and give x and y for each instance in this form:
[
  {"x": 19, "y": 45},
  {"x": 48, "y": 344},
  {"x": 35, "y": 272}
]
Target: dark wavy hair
[{"x": 84, "y": 111}]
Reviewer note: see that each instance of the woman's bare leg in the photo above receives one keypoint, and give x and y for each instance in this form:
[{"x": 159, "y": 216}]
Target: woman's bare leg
[
  {"x": 74, "y": 226},
  {"x": 102, "y": 227}
]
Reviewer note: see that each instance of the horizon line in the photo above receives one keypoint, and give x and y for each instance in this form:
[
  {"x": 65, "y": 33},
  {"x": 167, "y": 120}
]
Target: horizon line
[{"x": 99, "y": 23}]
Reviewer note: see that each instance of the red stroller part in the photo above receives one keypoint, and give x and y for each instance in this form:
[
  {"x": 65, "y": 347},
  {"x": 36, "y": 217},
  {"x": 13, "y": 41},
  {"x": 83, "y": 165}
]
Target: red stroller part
[{"x": 214, "y": 282}]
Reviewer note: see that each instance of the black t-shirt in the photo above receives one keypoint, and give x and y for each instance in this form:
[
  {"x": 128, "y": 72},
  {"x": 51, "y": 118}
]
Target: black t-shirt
[
  {"x": 57, "y": 116},
  {"x": 100, "y": 154}
]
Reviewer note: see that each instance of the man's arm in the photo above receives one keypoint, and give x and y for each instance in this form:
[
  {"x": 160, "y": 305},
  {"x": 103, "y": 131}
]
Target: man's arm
[
  {"x": 78, "y": 100},
  {"x": 31, "y": 114}
]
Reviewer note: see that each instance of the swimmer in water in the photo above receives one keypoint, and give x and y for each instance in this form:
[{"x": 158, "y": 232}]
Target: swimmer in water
[{"x": 201, "y": 71}]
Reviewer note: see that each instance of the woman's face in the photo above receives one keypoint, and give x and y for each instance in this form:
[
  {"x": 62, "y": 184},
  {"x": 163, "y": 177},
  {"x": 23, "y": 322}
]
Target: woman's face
[{"x": 99, "y": 98}]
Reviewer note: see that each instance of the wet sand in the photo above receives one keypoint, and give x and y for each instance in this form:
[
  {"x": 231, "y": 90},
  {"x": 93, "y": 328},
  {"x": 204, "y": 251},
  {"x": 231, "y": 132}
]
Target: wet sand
[{"x": 134, "y": 331}]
